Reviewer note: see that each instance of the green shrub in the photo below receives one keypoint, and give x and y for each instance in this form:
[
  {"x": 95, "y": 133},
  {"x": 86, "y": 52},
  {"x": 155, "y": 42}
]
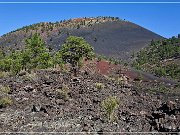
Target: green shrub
[
  {"x": 17, "y": 64},
  {"x": 101, "y": 57},
  {"x": 4, "y": 74},
  {"x": 30, "y": 76},
  {"x": 57, "y": 59},
  {"x": 120, "y": 81},
  {"x": 99, "y": 85},
  {"x": 45, "y": 60},
  {"x": 140, "y": 77},
  {"x": 109, "y": 105},
  {"x": 5, "y": 64},
  {"x": 163, "y": 89},
  {"x": 63, "y": 92},
  {"x": 2, "y": 53},
  {"x": 5, "y": 101},
  {"x": 5, "y": 89}
]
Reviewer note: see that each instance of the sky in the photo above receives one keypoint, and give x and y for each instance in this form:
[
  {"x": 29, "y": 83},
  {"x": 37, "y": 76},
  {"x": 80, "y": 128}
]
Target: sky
[{"x": 161, "y": 18}]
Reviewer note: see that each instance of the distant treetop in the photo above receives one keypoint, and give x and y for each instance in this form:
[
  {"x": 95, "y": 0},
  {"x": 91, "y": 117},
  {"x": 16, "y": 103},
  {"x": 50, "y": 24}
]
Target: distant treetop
[{"x": 71, "y": 23}]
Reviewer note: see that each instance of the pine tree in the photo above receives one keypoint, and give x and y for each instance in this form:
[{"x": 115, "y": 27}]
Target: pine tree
[{"x": 74, "y": 49}]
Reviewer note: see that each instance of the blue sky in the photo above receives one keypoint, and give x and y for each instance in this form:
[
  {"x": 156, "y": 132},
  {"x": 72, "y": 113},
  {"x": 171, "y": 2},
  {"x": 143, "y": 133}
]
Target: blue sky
[{"x": 163, "y": 19}]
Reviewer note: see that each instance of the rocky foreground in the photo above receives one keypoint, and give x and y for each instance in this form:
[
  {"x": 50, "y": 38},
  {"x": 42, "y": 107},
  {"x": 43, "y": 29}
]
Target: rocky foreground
[{"x": 54, "y": 101}]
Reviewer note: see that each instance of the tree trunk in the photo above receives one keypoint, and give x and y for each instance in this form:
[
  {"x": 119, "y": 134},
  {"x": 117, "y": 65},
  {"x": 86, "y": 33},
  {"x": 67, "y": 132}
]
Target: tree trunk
[{"x": 74, "y": 68}]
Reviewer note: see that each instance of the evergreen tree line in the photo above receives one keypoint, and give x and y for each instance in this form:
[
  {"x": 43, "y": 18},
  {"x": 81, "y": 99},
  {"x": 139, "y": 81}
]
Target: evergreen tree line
[
  {"x": 153, "y": 58},
  {"x": 36, "y": 55}
]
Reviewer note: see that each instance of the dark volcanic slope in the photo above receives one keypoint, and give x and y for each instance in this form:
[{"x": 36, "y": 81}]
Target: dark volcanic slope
[
  {"x": 110, "y": 37},
  {"x": 39, "y": 105}
]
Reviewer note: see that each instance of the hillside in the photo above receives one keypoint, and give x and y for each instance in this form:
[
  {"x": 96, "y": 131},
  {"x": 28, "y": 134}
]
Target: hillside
[
  {"x": 161, "y": 58},
  {"x": 54, "y": 101},
  {"x": 108, "y": 35},
  {"x": 72, "y": 90}
]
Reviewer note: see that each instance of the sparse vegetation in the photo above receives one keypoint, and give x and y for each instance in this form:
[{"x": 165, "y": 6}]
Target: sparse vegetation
[
  {"x": 99, "y": 85},
  {"x": 109, "y": 105},
  {"x": 41, "y": 88},
  {"x": 139, "y": 77},
  {"x": 49, "y": 26},
  {"x": 30, "y": 76},
  {"x": 158, "y": 58},
  {"x": 120, "y": 81},
  {"x": 5, "y": 101},
  {"x": 63, "y": 92},
  {"x": 101, "y": 57},
  {"x": 4, "y": 74},
  {"x": 5, "y": 89}
]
